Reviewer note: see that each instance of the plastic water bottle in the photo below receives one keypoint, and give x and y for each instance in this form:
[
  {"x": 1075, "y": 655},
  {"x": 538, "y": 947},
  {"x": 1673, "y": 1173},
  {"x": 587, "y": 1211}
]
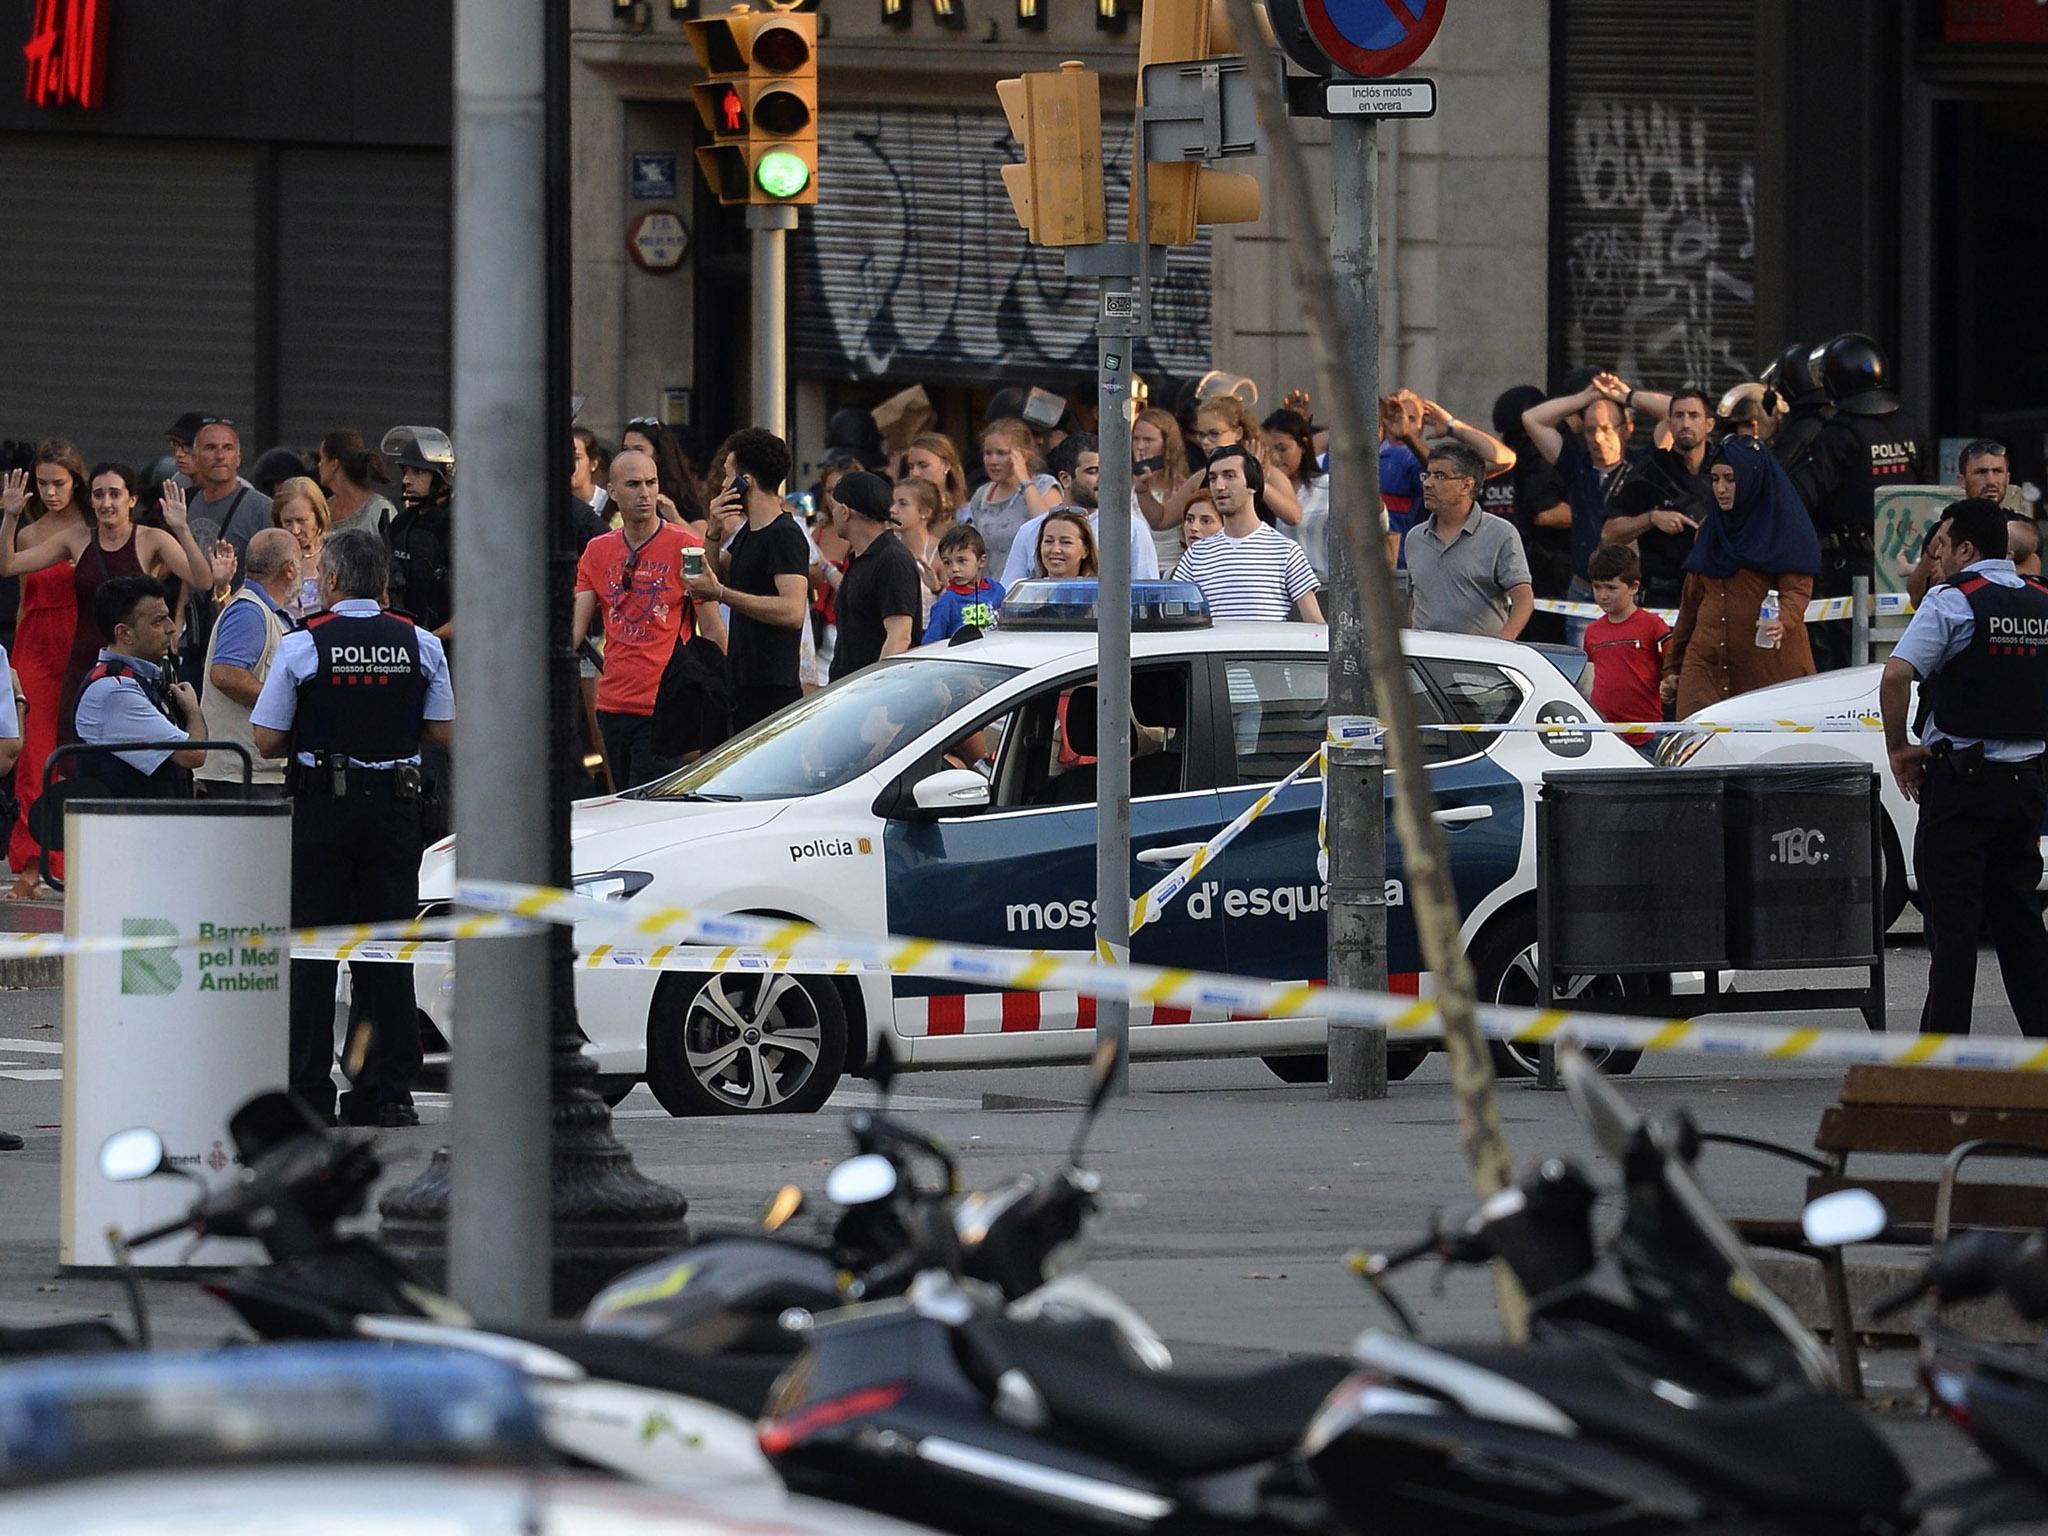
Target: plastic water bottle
[{"x": 1766, "y": 616}]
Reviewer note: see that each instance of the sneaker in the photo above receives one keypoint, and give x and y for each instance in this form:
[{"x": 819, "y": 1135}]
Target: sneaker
[
  {"x": 9, "y": 1142},
  {"x": 391, "y": 1116}
]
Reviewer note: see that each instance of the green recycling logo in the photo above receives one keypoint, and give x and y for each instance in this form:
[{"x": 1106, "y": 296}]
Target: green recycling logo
[{"x": 149, "y": 972}]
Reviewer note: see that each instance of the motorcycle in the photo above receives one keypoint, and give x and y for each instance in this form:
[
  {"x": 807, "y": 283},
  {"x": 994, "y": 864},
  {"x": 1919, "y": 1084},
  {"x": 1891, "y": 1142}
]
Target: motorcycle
[
  {"x": 1997, "y": 1394},
  {"x": 1664, "y": 1388}
]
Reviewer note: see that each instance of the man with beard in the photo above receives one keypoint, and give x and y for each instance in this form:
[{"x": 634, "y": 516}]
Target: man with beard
[
  {"x": 1660, "y": 510},
  {"x": 1076, "y": 462}
]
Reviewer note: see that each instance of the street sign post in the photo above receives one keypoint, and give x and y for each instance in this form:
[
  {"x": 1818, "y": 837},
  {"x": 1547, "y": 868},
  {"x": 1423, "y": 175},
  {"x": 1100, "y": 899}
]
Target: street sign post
[
  {"x": 1201, "y": 109},
  {"x": 1315, "y": 96}
]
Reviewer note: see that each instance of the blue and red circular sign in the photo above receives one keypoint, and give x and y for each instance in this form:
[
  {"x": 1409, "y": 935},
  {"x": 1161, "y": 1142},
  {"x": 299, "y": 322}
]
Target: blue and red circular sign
[{"x": 1371, "y": 38}]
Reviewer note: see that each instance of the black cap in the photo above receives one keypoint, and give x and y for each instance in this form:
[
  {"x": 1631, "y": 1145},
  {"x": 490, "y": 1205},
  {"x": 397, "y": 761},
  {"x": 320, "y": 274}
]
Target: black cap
[
  {"x": 185, "y": 430},
  {"x": 864, "y": 493}
]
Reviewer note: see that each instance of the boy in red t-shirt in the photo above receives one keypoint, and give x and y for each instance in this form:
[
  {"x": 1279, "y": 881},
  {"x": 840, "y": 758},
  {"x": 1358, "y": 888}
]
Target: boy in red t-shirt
[{"x": 1625, "y": 645}]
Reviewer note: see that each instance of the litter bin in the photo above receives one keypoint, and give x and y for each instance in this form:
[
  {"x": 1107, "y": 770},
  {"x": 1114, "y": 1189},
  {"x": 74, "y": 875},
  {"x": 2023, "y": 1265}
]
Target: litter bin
[
  {"x": 1803, "y": 881},
  {"x": 1630, "y": 869}
]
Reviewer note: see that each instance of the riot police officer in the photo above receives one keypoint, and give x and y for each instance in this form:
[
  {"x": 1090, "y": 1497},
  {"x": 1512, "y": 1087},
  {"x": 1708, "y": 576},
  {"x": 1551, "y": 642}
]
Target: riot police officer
[
  {"x": 351, "y": 698},
  {"x": 1866, "y": 444},
  {"x": 422, "y": 535},
  {"x": 1978, "y": 646},
  {"x": 1792, "y": 379}
]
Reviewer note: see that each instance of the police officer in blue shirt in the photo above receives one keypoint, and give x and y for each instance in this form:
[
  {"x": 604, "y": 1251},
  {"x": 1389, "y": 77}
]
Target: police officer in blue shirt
[
  {"x": 131, "y": 696},
  {"x": 351, "y": 698},
  {"x": 1978, "y": 647}
]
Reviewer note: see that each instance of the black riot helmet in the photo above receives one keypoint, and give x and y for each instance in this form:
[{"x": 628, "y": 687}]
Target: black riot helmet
[
  {"x": 1857, "y": 375},
  {"x": 1793, "y": 379},
  {"x": 425, "y": 448}
]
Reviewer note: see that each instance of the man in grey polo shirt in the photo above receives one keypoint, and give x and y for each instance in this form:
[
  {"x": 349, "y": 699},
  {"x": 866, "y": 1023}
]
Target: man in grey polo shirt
[{"x": 1468, "y": 573}]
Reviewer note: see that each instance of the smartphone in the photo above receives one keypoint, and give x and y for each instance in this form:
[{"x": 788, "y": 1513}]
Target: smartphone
[
  {"x": 741, "y": 484},
  {"x": 693, "y": 561},
  {"x": 1150, "y": 466}
]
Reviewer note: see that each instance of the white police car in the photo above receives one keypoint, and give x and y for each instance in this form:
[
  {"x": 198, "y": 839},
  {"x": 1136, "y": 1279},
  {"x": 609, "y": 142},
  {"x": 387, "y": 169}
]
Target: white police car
[{"x": 948, "y": 793}]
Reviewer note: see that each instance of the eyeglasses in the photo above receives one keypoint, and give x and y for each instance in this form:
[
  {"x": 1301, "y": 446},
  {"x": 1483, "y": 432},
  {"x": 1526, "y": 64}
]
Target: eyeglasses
[
  {"x": 1213, "y": 435},
  {"x": 642, "y": 424}
]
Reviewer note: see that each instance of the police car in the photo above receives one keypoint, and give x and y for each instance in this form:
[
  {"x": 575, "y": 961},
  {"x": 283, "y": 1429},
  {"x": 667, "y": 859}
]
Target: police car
[
  {"x": 948, "y": 793},
  {"x": 1846, "y": 700}
]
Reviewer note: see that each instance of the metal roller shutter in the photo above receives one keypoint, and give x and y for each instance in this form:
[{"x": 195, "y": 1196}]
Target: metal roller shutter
[
  {"x": 1654, "y": 188},
  {"x": 363, "y": 324},
  {"x": 131, "y": 288},
  {"x": 912, "y": 265}
]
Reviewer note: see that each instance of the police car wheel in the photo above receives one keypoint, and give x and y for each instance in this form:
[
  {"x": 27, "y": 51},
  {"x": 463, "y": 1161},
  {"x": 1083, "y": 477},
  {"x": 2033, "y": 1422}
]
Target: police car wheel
[
  {"x": 1402, "y": 1060},
  {"x": 744, "y": 1042},
  {"x": 1504, "y": 971}
]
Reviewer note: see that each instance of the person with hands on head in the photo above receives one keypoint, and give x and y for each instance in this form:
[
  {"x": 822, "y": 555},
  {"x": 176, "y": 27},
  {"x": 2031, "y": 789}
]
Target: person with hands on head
[
  {"x": 1978, "y": 648},
  {"x": 762, "y": 576},
  {"x": 1661, "y": 507},
  {"x": 1595, "y": 463},
  {"x": 130, "y": 696},
  {"x": 351, "y": 700},
  {"x": 112, "y": 545}
]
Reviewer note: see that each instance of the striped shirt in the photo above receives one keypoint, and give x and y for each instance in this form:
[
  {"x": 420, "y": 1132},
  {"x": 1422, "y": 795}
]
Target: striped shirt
[{"x": 1260, "y": 576}]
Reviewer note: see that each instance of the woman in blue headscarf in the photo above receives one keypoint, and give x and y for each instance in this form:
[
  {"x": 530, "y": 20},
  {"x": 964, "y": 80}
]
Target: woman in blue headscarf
[{"x": 1759, "y": 536}]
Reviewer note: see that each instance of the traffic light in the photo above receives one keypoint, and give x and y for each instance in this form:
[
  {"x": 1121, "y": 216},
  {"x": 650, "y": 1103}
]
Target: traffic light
[
  {"x": 1057, "y": 189},
  {"x": 1181, "y": 195},
  {"x": 759, "y": 103}
]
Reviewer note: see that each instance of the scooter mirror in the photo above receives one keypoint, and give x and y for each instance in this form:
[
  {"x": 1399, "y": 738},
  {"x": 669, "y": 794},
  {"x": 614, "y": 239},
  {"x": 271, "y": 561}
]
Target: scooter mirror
[
  {"x": 1844, "y": 1217},
  {"x": 127, "y": 1156},
  {"x": 1605, "y": 1114},
  {"x": 861, "y": 1180},
  {"x": 787, "y": 1202}
]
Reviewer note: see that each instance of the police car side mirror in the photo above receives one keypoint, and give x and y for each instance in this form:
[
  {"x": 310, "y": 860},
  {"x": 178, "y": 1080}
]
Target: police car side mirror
[{"x": 949, "y": 790}]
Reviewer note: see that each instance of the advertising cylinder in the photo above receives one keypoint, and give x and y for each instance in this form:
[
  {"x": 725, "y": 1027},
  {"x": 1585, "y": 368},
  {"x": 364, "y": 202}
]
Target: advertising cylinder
[{"x": 175, "y": 1040}]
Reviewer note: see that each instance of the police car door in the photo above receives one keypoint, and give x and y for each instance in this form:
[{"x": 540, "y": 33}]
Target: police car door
[
  {"x": 1020, "y": 873},
  {"x": 1266, "y": 884}
]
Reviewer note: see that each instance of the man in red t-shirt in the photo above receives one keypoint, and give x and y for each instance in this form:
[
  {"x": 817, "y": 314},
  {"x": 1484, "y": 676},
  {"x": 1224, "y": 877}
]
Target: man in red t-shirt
[
  {"x": 634, "y": 577},
  {"x": 1625, "y": 645}
]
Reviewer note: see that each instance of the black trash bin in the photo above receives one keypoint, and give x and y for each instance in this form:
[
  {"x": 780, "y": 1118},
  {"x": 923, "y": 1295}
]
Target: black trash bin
[
  {"x": 1632, "y": 867},
  {"x": 1803, "y": 866}
]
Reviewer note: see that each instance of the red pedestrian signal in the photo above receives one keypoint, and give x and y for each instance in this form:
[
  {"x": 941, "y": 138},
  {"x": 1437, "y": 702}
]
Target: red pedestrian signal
[{"x": 732, "y": 110}]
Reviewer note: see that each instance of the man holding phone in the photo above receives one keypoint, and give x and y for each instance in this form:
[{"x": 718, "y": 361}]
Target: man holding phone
[
  {"x": 763, "y": 577},
  {"x": 634, "y": 575}
]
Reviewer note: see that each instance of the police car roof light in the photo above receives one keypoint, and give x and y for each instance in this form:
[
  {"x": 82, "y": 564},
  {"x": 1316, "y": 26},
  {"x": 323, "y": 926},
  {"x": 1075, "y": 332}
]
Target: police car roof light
[{"x": 1059, "y": 604}]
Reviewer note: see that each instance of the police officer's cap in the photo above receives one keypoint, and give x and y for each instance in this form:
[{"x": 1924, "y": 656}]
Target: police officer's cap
[
  {"x": 1856, "y": 373},
  {"x": 425, "y": 448}
]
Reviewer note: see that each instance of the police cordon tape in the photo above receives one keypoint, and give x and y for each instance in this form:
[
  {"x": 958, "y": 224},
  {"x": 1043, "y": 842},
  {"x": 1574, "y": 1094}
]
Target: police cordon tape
[
  {"x": 1883, "y": 605},
  {"x": 1150, "y": 906},
  {"x": 759, "y": 943},
  {"x": 1842, "y": 725}
]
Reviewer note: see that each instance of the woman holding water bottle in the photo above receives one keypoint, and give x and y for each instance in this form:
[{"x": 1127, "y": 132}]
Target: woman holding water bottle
[{"x": 1742, "y": 618}]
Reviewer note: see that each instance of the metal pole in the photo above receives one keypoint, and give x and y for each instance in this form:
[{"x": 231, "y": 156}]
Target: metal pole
[
  {"x": 1358, "y": 908},
  {"x": 1424, "y": 855},
  {"x": 1859, "y": 621},
  {"x": 770, "y": 227},
  {"x": 1358, "y": 1053},
  {"x": 1113, "y": 659},
  {"x": 499, "y": 1238}
]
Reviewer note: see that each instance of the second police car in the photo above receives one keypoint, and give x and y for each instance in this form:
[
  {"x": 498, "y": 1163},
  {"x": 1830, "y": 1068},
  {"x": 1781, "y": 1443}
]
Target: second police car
[{"x": 948, "y": 793}]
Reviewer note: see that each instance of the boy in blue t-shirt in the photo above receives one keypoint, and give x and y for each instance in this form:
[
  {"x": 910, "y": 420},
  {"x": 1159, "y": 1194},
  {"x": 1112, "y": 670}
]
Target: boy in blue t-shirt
[{"x": 970, "y": 597}]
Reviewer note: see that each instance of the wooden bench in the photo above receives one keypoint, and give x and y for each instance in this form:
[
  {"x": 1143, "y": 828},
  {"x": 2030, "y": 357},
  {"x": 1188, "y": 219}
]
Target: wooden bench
[{"x": 1950, "y": 1113}]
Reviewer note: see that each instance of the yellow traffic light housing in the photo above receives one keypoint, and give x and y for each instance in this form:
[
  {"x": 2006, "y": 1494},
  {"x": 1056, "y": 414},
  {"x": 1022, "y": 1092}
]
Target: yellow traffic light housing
[
  {"x": 759, "y": 103},
  {"x": 1182, "y": 196},
  {"x": 1057, "y": 189}
]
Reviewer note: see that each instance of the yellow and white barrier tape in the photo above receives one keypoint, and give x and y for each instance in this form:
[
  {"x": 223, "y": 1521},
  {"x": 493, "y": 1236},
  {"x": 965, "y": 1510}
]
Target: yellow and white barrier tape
[
  {"x": 793, "y": 945},
  {"x": 1841, "y": 725},
  {"x": 1152, "y": 904},
  {"x": 333, "y": 943},
  {"x": 1821, "y": 609}
]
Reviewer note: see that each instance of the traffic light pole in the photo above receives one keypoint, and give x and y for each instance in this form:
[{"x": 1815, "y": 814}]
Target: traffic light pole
[{"x": 768, "y": 230}]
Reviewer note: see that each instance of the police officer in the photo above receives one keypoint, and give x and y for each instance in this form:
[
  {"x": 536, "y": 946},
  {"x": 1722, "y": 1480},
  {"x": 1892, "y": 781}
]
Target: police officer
[
  {"x": 1792, "y": 379},
  {"x": 422, "y": 535},
  {"x": 352, "y": 697},
  {"x": 1979, "y": 649},
  {"x": 131, "y": 696},
  {"x": 1866, "y": 444}
]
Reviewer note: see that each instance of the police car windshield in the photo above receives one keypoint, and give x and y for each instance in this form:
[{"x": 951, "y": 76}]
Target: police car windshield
[{"x": 835, "y": 735}]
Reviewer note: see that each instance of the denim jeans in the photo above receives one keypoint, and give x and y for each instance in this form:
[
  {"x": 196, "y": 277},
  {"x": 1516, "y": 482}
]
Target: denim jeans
[{"x": 629, "y": 748}]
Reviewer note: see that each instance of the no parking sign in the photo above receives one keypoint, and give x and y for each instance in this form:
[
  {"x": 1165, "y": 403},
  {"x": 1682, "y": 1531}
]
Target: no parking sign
[{"x": 1366, "y": 38}]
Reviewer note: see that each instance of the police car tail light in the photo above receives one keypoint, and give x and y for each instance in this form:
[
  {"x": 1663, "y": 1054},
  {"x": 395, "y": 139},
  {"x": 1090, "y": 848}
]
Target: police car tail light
[
  {"x": 1053, "y": 604},
  {"x": 612, "y": 885}
]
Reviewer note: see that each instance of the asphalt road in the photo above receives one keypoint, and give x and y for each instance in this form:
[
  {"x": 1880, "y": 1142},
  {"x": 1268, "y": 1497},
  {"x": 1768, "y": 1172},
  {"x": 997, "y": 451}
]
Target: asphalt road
[{"x": 1251, "y": 1191}]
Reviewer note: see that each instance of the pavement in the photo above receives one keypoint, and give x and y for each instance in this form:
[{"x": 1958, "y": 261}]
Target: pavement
[{"x": 1251, "y": 1190}]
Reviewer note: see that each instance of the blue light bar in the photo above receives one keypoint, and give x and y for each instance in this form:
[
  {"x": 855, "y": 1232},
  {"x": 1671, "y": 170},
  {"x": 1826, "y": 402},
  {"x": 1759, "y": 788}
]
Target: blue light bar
[
  {"x": 75, "y": 1415},
  {"x": 1056, "y": 604}
]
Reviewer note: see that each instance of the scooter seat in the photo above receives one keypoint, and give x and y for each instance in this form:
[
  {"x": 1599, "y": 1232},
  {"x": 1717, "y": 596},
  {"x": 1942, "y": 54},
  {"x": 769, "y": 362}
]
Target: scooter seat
[
  {"x": 1180, "y": 1423},
  {"x": 1791, "y": 1450},
  {"x": 737, "y": 1382},
  {"x": 64, "y": 1336}
]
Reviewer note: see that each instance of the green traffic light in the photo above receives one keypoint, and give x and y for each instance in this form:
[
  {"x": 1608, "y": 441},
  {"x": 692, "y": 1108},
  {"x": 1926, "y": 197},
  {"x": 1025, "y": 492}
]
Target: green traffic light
[{"x": 782, "y": 174}]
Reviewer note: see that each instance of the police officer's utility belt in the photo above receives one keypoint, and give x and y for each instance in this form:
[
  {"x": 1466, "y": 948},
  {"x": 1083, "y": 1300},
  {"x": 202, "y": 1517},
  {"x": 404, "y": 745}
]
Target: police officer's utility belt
[
  {"x": 333, "y": 775},
  {"x": 1970, "y": 762}
]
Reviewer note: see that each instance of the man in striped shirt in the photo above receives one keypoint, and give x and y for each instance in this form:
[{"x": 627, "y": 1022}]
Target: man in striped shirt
[{"x": 1247, "y": 571}]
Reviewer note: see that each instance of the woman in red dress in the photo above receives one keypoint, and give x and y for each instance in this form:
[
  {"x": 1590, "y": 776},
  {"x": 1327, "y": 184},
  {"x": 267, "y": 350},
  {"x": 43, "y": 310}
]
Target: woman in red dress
[{"x": 42, "y": 637}]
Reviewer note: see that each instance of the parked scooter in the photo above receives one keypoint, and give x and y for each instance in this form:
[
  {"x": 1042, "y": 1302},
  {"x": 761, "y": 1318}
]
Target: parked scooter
[
  {"x": 1997, "y": 1394},
  {"x": 1665, "y": 1387}
]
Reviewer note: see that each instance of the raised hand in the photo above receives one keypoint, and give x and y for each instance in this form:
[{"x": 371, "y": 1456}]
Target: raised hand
[
  {"x": 225, "y": 562},
  {"x": 173, "y": 507},
  {"x": 1435, "y": 417},
  {"x": 14, "y": 493},
  {"x": 1296, "y": 400}
]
